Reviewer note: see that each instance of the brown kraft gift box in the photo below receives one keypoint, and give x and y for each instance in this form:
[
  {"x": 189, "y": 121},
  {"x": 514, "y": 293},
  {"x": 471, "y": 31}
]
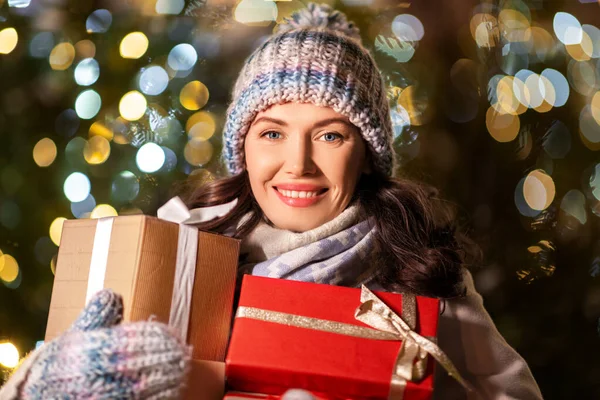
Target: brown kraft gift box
[{"x": 141, "y": 267}]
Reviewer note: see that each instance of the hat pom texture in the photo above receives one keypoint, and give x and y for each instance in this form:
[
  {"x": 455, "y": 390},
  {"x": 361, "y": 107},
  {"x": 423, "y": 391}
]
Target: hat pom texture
[{"x": 320, "y": 16}]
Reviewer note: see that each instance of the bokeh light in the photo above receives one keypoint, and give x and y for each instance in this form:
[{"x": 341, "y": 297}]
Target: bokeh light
[
  {"x": 125, "y": 187},
  {"x": 55, "y": 231},
  {"x": 150, "y": 158},
  {"x": 96, "y": 150},
  {"x": 182, "y": 57},
  {"x": 41, "y": 45},
  {"x": 194, "y": 95},
  {"x": 201, "y": 125},
  {"x": 10, "y": 268},
  {"x": 77, "y": 187},
  {"x": 44, "y": 152},
  {"x": 198, "y": 152},
  {"x": 522, "y": 205},
  {"x": 567, "y": 28},
  {"x": 408, "y": 28},
  {"x": 85, "y": 49},
  {"x": 173, "y": 7},
  {"x": 134, "y": 45},
  {"x": 19, "y": 3},
  {"x": 153, "y": 80},
  {"x": 8, "y": 40},
  {"x": 62, "y": 56},
  {"x": 594, "y": 34},
  {"x": 595, "y": 107},
  {"x": 9, "y": 355},
  {"x": 99, "y": 21},
  {"x": 589, "y": 128},
  {"x": 103, "y": 211},
  {"x": 538, "y": 190},
  {"x": 133, "y": 105},
  {"x": 82, "y": 209},
  {"x": 582, "y": 75},
  {"x": 502, "y": 127},
  {"x": 98, "y": 128},
  {"x": 559, "y": 84},
  {"x": 87, "y": 72},
  {"x": 88, "y": 104},
  {"x": 256, "y": 12},
  {"x": 573, "y": 204}
]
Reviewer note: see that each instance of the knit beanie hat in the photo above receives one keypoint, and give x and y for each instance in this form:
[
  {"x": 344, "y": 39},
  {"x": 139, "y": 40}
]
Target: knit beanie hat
[{"x": 315, "y": 56}]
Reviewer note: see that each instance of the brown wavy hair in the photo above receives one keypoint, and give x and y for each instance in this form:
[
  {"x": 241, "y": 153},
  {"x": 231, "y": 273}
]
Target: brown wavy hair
[{"x": 420, "y": 248}]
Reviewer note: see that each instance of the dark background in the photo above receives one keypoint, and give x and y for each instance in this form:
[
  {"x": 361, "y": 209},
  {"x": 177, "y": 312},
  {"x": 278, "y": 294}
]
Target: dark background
[{"x": 545, "y": 300}]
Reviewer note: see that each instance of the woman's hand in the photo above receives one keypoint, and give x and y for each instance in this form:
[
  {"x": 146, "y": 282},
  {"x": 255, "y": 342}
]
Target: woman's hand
[{"x": 100, "y": 358}]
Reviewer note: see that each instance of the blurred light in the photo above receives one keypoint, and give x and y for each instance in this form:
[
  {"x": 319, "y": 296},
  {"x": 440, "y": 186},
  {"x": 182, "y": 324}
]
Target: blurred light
[
  {"x": 194, "y": 95},
  {"x": 53, "y": 269},
  {"x": 542, "y": 43},
  {"x": 44, "y": 152},
  {"x": 41, "y": 45},
  {"x": 560, "y": 85},
  {"x": 100, "y": 129},
  {"x": 133, "y": 105},
  {"x": 506, "y": 99},
  {"x": 484, "y": 30},
  {"x": 88, "y": 104},
  {"x": 567, "y": 28},
  {"x": 19, "y": 3},
  {"x": 400, "y": 120},
  {"x": 573, "y": 203},
  {"x": 589, "y": 128},
  {"x": 557, "y": 140},
  {"x": 415, "y": 103},
  {"x": 125, "y": 187},
  {"x": 173, "y": 7},
  {"x": 74, "y": 152},
  {"x": 153, "y": 80},
  {"x": 198, "y": 152},
  {"x": 170, "y": 159},
  {"x": 55, "y": 232},
  {"x": 538, "y": 190},
  {"x": 99, "y": 21},
  {"x": 595, "y": 107},
  {"x": 77, "y": 187},
  {"x": 103, "y": 211},
  {"x": 259, "y": 12},
  {"x": 67, "y": 123},
  {"x": 594, "y": 181},
  {"x": 62, "y": 56},
  {"x": 85, "y": 49},
  {"x": 82, "y": 209},
  {"x": 44, "y": 250},
  {"x": 512, "y": 58},
  {"x": 513, "y": 25},
  {"x": 401, "y": 51},
  {"x": 10, "y": 268},
  {"x": 133, "y": 45},
  {"x": 200, "y": 125},
  {"x": 87, "y": 72},
  {"x": 182, "y": 57},
  {"x": 502, "y": 127},
  {"x": 96, "y": 150},
  {"x": 9, "y": 355},
  {"x": 522, "y": 206},
  {"x": 594, "y": 35},
  {"x": 582, "y": 76},
  {"x": 150, "y": 158},
  {"x": 408, "y": 28},
  {"x": 581, "y": 51},
  {"x": 8, "y": 40}
]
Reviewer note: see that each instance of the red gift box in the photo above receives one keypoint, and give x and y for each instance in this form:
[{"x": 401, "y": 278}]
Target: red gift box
[{"x": 270, "y": 357}]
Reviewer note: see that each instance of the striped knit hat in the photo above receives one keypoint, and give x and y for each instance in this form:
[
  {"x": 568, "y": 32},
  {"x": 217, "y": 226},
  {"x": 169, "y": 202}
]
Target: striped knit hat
[{"x": 316, "y": 57}]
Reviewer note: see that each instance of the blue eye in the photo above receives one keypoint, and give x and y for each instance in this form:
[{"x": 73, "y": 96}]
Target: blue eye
[
  {"x": 272, "y": 135},
  {"x": 331, "y": 137}
]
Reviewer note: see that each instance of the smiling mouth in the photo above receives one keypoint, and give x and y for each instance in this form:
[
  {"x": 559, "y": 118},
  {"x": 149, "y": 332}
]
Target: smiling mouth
[{"x": 300, "y": 194}]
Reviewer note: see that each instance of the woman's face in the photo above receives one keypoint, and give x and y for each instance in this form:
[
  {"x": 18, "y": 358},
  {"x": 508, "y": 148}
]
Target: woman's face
[{"x": 303, "y": 162}]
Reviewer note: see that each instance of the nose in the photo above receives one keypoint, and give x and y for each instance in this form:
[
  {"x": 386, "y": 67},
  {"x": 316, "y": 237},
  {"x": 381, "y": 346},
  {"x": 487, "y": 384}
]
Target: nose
[{"x": 299, "y": 160}]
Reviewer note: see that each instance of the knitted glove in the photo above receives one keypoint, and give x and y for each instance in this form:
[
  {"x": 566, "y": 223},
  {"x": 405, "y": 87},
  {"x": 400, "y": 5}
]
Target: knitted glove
[{"x": 97, "y": 358}]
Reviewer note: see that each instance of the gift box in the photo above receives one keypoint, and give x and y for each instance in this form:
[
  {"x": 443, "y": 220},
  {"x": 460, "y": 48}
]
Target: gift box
[
  {"x": 137, "y": 257},
  {"x": 205, "y": 380},
  {"x": 260, "y": 396},
  {"x": 291, "y": 334}
]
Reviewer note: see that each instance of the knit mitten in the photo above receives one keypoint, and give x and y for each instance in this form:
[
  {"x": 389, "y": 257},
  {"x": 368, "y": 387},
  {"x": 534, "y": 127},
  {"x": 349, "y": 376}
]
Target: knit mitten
[{"x": 98, "y": 358}]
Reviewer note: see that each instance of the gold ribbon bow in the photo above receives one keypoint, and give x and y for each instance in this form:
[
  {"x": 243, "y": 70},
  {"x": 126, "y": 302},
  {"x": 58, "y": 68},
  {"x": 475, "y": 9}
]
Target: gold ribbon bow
[{"x": 411, "y": 362}]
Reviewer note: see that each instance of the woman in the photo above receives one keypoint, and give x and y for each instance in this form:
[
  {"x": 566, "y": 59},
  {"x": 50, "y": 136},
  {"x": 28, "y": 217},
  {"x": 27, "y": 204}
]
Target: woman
[{"x": 308, "y": 144}]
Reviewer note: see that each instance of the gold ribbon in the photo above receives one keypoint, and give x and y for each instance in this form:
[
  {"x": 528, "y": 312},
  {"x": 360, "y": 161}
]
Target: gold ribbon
[{"x": 411, "y": 363}]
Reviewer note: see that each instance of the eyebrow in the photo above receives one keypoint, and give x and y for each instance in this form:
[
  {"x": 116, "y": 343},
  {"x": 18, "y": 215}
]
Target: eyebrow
[{"x": 319, "y": 124}]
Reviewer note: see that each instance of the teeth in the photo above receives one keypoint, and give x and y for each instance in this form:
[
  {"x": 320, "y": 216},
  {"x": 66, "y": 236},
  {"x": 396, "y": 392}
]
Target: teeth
[{"x": 297, "y": 194}]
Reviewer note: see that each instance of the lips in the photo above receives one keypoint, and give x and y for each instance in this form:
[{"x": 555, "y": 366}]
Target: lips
[{"x": 299, "y": 195}]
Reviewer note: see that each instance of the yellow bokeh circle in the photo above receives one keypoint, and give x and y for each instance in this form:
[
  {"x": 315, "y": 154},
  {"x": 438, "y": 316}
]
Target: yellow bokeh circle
[
  {"x": 96, "y": 150},
  {"x": 62, "y": 56},
  {"x": 56, "y": 230},
  {"x": 133, "y": 105},
  {"x": 194, "y": 95},
  {"x": 134, "y": 45},
  {"x": 44, "y": 152}
]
